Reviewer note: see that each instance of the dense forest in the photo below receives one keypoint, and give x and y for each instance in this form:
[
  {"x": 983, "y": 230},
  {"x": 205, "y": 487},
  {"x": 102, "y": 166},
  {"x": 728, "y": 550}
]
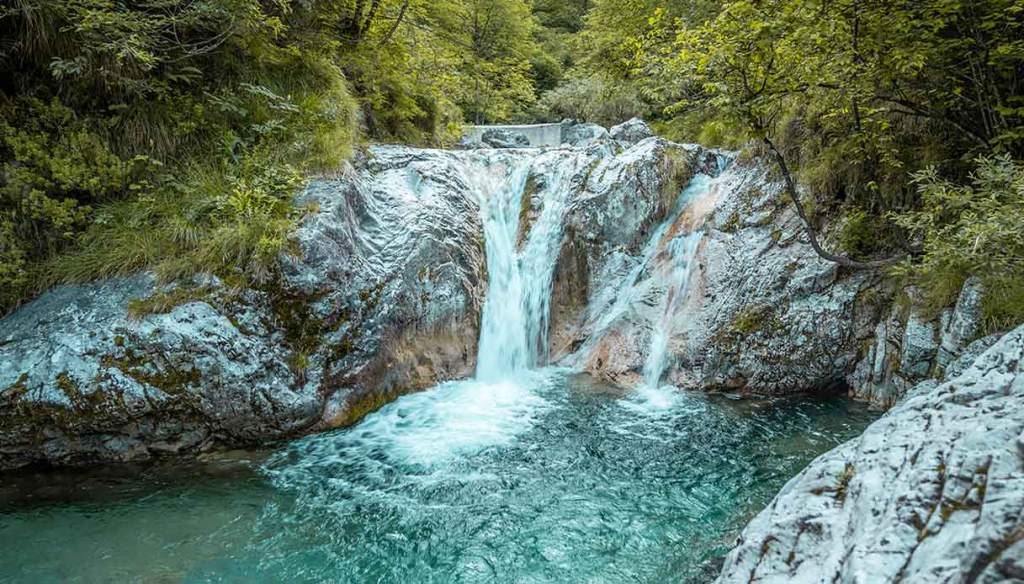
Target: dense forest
[{"x": 172, "y": 134}]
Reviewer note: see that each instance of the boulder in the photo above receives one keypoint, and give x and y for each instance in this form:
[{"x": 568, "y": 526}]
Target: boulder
[
  {"x": 631, "y": 132},
  {"x": 582, "y": 135},
  {"x": 383, "y": 298},
  {"x": 931, "y": 492},
  {"x": 502, "y": 138}
]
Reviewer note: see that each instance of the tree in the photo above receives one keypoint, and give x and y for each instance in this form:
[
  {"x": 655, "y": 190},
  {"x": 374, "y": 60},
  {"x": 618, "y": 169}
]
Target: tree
[{"x": 875, "y": 80}]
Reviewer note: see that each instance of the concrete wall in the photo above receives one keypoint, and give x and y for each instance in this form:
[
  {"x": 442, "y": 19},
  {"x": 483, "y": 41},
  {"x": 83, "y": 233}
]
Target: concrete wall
[{"x": 538, "y": 134}]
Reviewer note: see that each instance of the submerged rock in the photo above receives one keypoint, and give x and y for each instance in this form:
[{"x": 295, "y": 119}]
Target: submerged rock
[{"x": 931, "y": 492}]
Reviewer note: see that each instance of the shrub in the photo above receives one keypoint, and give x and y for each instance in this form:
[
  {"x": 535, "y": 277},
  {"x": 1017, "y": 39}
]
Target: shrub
[{"x": 972, "y": 230}]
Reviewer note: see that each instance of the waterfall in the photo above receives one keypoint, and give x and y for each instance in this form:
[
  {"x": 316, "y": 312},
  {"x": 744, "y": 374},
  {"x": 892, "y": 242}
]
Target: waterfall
[
  {"x": 514, "y": 326},
  {"x": 682, "y": 251},
  {"x": 650, "y": 271}
]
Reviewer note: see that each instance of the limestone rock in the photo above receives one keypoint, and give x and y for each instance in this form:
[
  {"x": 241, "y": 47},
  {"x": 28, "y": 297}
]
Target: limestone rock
[
  {"x": 961, "y": 324},
  {"x": 760, "y": 312},
  {"x": 581, "y": 135},
  {"x": 631, "y": 132},
  {"x": 501, "y": 138},
  {"x": 931, "y": 492}
]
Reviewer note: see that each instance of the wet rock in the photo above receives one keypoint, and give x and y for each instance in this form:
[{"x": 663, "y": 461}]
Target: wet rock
[
  {"x": 81, "y": 381},
  {"x": 931, "y": 492},
  {"x": 631, "y": 132},
  {"x": 502, "y": 138},
  {"x": 582, "y": 135},
  {"x": 760, "y": 313},
  {"x": 383, "y": 299}
]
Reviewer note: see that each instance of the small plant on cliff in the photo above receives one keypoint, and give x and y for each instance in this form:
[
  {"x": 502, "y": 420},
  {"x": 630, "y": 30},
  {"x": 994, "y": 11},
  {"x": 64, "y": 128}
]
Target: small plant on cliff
[{"x": 972, "y": 230}]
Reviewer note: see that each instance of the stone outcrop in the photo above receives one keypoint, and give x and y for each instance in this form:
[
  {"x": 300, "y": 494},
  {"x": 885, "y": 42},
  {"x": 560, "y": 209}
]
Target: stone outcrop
[
  {"x": 499, "y": 138},
  {"x": 580, "y": 135},
  {"x": 931, "y": 492},
  {"x": 760, "y": 313},
  {"x": 910, "y": 346},
  {"x": 383, "y": 298},
  {"x": 385, "y": 293},
  {"x": 631, "y": 132}
]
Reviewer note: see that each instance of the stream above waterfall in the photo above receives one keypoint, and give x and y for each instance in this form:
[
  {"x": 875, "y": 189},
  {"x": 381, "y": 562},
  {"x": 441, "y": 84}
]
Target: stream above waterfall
[{"x": 555, "y": 478}]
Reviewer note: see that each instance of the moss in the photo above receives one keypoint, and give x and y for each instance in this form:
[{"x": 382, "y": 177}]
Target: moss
[
  {"x": 360, "y": 407},
  {"x": 69, "y": 387},
  {"x": 677, "y": 171},
  {"x": 370, "y": 297},
  {"x": 298, "y": 363},
  {"x": 14, "y": 391},
  {"x": 525, "y": 204},
  {"x": 843, "y": 484},
  {"x": 732, "y": 224},
  {"x": 163, "y": 302},
  {"x": 753, "y": 319},
  {"x": 138, "y": 366},
  {"x": 305, "y": 333}
]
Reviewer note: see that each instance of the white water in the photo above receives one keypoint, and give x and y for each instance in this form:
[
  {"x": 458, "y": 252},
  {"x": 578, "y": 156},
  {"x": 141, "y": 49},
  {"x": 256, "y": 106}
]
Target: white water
[
  {"x": 458, "y": 418},
  {"x": 682, "y": 250},
  {"x": 514, "y": 327},
  {"x": 638, "y": 285}
]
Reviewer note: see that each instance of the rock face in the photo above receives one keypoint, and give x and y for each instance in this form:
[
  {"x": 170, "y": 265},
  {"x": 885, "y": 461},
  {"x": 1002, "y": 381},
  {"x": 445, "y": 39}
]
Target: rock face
[
  {"x": 931, "y": 492},
  {"x": 631, "y": 132},
  {"x": 384, "y": 297},
  {"x": 498, "y": 138},
  {"x": 657, "y": 249},
  {"x": 575, "y": 134},
  {"x": 756, "y": 311},
  {"x": 909, "y": 347}
]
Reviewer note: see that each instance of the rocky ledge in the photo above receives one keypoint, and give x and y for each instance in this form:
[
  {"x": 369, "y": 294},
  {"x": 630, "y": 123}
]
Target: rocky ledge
[
  {"x": 931, "y": 492},
  {"x": 386, "y": 292},
  {"x": 383, "y": 297}
]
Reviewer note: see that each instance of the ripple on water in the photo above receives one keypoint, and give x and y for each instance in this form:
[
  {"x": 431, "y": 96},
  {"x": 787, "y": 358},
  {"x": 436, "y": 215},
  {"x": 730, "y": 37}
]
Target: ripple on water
[{"x": 551, "y": 478}]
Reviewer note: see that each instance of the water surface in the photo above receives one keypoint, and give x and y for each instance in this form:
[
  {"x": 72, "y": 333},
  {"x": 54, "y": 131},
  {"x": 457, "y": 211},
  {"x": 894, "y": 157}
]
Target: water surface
[{"x": 552, "y": 478}]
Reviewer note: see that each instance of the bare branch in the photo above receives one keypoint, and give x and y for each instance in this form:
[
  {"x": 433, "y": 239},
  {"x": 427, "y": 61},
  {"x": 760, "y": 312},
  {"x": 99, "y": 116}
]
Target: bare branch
[{"x": 812, "y": 235}]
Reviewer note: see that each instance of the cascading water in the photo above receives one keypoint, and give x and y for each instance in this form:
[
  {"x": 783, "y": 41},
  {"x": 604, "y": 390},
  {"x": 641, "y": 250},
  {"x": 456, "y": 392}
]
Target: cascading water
[
  {"x": 503, "y": 400},
  {"x": 677, "y": 269},
  {"x": 520, "y": 475},
  {"x": 667, "y": 258},
  {"x": 514, "y": 326},
  {"x": 682, "y": 251}
]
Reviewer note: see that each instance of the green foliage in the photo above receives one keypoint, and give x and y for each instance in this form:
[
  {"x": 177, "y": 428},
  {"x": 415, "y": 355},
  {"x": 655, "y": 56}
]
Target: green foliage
[
  {"x": 973, "y": 230},
  {"x": 860, "y": 95},
  {"x": 861, "y": 234},
  {"x": 172, "y": 134},
  {"x": 232, "y": 222},
  {"x": 589, "y": 99}
]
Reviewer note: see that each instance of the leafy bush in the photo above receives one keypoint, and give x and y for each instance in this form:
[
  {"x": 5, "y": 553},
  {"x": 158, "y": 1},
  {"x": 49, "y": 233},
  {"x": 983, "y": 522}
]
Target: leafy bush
[
  {"x": 590, "y": 99},
  {"x": 973, "y": 230}
]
